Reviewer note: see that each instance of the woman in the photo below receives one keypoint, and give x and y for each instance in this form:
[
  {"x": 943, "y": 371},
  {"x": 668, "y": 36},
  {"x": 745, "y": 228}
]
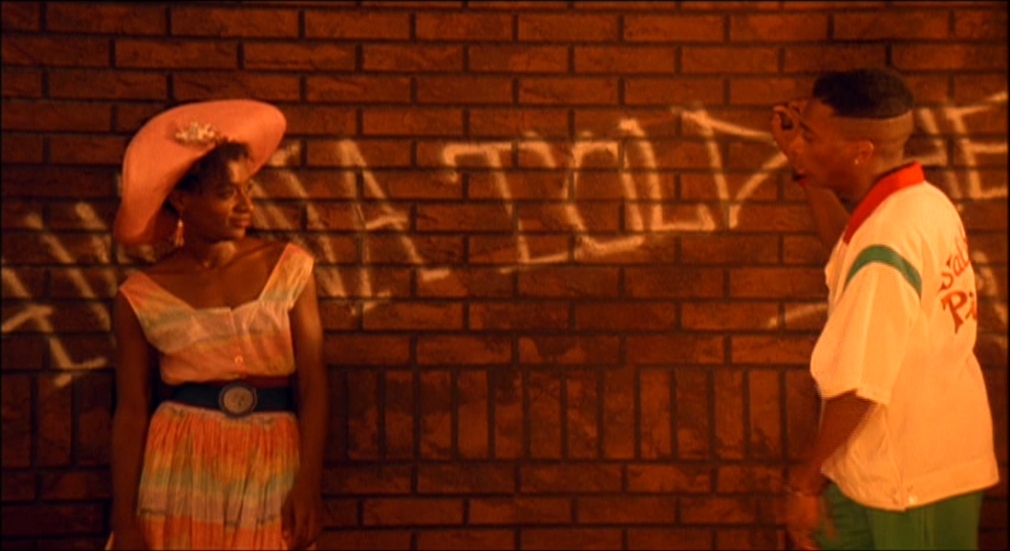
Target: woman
[{"x": 232, "y": 324}]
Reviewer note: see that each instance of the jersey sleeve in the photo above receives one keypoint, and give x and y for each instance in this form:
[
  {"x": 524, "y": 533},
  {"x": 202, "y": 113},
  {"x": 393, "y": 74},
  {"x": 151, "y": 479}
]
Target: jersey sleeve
[{"x": 867, "y": 334}]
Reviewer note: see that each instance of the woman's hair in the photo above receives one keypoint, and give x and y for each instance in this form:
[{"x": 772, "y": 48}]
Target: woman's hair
[
  {"x": 212, "y": 168},
  {"x": 874, "y": 93}
]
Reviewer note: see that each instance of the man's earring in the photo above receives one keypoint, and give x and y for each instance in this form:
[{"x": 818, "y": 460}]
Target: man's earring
[{"x": 179, "y": 239}]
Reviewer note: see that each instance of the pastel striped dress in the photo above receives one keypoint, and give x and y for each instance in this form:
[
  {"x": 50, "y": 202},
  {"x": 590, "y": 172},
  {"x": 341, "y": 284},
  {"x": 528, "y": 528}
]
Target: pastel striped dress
[{"x": 210, "y": 481}]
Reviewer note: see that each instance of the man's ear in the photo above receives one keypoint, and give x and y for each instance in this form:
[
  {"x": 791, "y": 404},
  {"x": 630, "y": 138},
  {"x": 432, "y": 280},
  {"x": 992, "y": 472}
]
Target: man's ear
[{"x": 864, "y": 150}]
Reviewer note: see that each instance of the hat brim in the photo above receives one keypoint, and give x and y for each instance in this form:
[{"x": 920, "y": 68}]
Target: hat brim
[{"x": 155, "y": 161}]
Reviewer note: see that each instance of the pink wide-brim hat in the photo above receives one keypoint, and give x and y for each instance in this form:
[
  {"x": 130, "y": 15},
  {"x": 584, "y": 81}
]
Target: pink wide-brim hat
[{"x": 168, "y": 145}]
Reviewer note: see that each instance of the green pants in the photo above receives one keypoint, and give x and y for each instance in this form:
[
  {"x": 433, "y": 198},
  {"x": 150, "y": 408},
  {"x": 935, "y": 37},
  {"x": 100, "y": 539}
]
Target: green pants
[{"x": 948, "y": 524}]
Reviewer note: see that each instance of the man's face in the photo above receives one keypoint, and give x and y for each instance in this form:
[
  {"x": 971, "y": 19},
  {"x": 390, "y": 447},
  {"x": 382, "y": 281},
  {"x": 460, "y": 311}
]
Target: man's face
[{"x": 820, "y": 153}]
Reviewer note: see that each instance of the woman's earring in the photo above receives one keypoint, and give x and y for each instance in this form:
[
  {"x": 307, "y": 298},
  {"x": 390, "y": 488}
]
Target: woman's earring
[{"x": 179, "y": 239}]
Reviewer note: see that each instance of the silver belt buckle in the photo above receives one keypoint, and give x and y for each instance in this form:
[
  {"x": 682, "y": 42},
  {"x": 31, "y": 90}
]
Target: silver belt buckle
[{"x": 237, "y": 399}]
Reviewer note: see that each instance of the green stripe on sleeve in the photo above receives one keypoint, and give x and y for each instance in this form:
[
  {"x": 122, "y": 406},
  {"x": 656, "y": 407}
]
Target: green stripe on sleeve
[{"x": 887, "y": 255}]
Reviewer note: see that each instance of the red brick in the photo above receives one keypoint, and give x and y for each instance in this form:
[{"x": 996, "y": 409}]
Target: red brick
[
  {"x": 619, "y": 413},
  {"x": 512, "y": 251},
  {"x": 655, "y": 416},
  {"x": 358, "y": 89},
  {"x": 801, "y": 403},
  {"x": 520, "y": 510},
  {"x": 569, "y": 350},
  {"x": 466, "y": 539},
  {"x": 413, "y": 122},
  {"x": 692, "y": 412},
  {"x": 18, "y": 421},
  {"x": 721, "y": 6},
  {"x": 622, "y": 315},
  {"x": 729, "y": 414},
  {"x": 56, "y": 116},
  {"x": 476, "y": 26},
  {"x": 462, "y": 217},
  {"x": 751, "y": 316},
  {"x": 88, "y": 84},
  {"x": 507, "y": 123},
  {"x": 792, "y": 283},
  {"x": 674, "y": 350},
  {"x": 729, "y": 249},
  {"x": 576, "y": 91},
  {"x": 22, "y": 352},
  {"x": 904, "y": 24},
  {"x": 21, "y": 215},
  {"x": 105, "y": 19},
  {"x": 514, "y": 59},
  {"x": 674, "y": 28},
  {"x": 668, "y": 539},
  {"x": 412, "y": 58},
  {"x": 949, "y": 57},
  {"x": 366, "y": 479},
  {"x": 362, "y": 415},
  {"x": 55, "y": 51},
  {"x": 245, "y": 22},
  {"x": 86, "y": 485},
  {"x": 780, "y": 350},
  {"x": 436, "y": 415},
  {"x": 673, "y": 91},
  {"x": 292, "y": 56},
  {"x": 93, "y": 436},
  {"x": 472, "y": 426},
  {"x": 682, "y": 154},
  {"x": 582, "y": 395},
  {"x": 626, "y": 510},
  {"x": 718, "y": 510},
  {"x": 17, "y": 485},
  {"x": 985, "y": 216},
  {"x": 544, "y": 397},
  {"x": 176, "y": 54},
  {"x": 465, "y": 90},
  {"x": 412, "y": 512},
  {"x": 465, "y": 478},
  {"x": 570, "y": 538},
  {"x": 37, "y": 249},
  {"x": 87, "y": 150},
  {"x": 367, "y": 349},
  {"x": 204, "y": 85},
  {"x": 79, "y": 352},
  {"x": 506, "y": 385},
  {"x": 375, "y": 153},
  {"x": 804, "y": 250},
  {"x": 583, "y": 478},
  {"x": 569, "y": 282},
  {"x": 398, "y": 415},
  {"x": 53, "y": 520},
  {"x": 21, "y": 149},
  {"x": 836, "y": 57},
  {"x": 511, "y": 315},
  {"x": 612, "y": 59},
  {"x": 21, "y": 83},
  {"x": 340, "y": 513},
  {"x": 739, "y": 59},
  {"x": 980, "y": 24},
  {"x": 417, "y": 184},
  {"x": 674, "y": 282},
  {"x": 778, "y": 28},
  {"x": 469, "y": 282},
  {"x": 764, "y": 415},
  {"x": 747, "y": 479},
  {"x": 750, "y": 539},
  {"x": 764, "y": 91},
  {"x": 567, "y": 28},
  {"x": 347, "y": 24},
  {"x": 432, "y": 350},
  {"x": 21, "y": 16},
  {"x": 668, "y": 478},
  {"x": 365, "y": 539},
  {"x": 336, "y": 444}
]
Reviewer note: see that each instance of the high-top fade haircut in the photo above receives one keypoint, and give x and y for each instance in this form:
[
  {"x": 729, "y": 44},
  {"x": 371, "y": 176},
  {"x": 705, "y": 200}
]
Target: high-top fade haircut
[{"x": 874, "y": 93}]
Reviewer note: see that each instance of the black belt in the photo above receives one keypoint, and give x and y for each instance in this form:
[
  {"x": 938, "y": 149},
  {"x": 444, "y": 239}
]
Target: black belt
[{"x": 235, "y": 399}]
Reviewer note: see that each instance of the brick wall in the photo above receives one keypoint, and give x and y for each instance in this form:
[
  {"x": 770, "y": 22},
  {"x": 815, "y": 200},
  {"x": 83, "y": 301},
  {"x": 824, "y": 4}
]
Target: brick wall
[{"x": 568, "y": 295}]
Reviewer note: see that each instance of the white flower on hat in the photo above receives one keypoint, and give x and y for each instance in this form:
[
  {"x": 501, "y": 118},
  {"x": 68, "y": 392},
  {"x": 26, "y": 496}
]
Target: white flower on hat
[{"x": 198, "y": 134}]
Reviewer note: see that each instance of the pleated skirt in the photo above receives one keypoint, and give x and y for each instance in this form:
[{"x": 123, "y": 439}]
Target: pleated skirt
[{"x": 214, "y": 482}]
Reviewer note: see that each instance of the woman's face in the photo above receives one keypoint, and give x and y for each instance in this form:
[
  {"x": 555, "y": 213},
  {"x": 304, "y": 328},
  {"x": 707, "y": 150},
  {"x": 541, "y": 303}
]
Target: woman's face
[{"x": 220, "y": 211}]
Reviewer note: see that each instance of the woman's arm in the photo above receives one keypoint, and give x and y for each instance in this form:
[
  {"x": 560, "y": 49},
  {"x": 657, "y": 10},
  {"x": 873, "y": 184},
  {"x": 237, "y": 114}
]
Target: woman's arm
[
  {"x": 130, "y": 420},
  {"x": 302, "y": 513}
]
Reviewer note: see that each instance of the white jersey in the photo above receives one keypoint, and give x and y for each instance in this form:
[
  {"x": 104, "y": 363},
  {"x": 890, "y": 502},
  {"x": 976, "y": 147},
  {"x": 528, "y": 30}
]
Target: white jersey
[{"x": 901, "y": 330}]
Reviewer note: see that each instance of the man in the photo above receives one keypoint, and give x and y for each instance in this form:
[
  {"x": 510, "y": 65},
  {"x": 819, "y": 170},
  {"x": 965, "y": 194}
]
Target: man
[{"x": 904, "y": 447}]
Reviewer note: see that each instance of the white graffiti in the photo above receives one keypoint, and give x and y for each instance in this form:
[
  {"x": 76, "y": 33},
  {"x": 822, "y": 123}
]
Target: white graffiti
[{"x": 639, "y": 182}]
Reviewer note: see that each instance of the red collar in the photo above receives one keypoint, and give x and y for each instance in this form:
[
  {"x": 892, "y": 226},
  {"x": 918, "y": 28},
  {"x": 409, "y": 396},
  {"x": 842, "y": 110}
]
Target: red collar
[{"x": 900, "y": 178}]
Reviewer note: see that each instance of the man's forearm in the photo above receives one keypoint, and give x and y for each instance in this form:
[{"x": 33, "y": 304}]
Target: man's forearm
[{"x": 840, "y": 419}]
